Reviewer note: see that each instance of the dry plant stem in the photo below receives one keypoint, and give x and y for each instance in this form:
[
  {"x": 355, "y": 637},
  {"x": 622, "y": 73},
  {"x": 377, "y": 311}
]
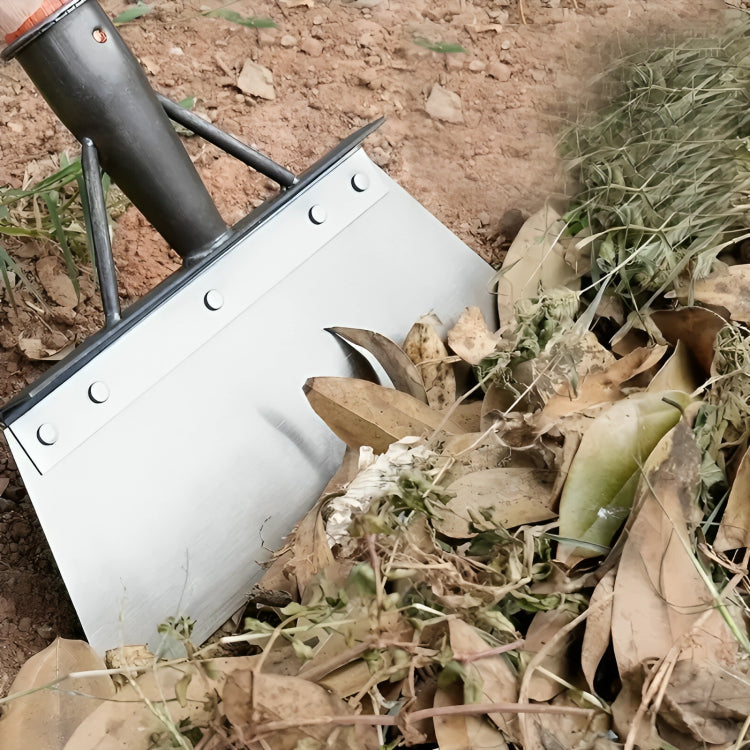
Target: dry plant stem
[
  {"x": 657, "y": 687},
  {"x": 528, "y": 741},
  {"x": 468, "y": 658},
  {"x": 521, "y": 12},
  {"x": 375, "y": 563},
  {"x": 384, "y": 720}
]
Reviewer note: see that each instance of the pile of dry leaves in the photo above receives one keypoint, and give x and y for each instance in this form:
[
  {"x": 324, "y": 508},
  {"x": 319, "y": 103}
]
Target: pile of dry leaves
[{"x": 528, "y": 545}]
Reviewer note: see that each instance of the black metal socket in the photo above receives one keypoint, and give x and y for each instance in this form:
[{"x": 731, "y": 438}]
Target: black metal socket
[{"x": 89, "y": 77}]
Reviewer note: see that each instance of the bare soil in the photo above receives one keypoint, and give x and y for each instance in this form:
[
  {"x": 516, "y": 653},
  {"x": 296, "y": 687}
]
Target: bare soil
[{"x": 336, "y": 66}]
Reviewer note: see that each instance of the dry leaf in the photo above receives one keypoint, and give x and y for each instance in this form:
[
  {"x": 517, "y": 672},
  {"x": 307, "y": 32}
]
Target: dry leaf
[
  {"x": 604, "y": 386},
  {"x": 497, "y": 400},
  {"x": 392, "y": 358},
  {"x": 252, "y": 700},
  {"x": 728, "y": 288},
  {"x": 659, "y": 596},
  {"x": 734, "y": 529},
  {"x": 598, "y": 628},
  {"x": 363, "y": 413},
  {"x": 426, "y": 350},
  {"x": 572, "y": 731},
  {"x": 463, "y": 732},
  {"x": 696, "y": 327},
  {"x": 544, "y": 627},
  {"x": 535, "y": 257},
  {"x": 497, "y": 679},
  {"x": 470, "y": 338},
  {"x": 679, "y": 373},
  {"x": 56, "y": 282},
  {"x": 468, "y": 414},
  {"x": 310, "y": 550},
  {"x": 503, "y": 497},
  {"x": 46, "y": 719},
  {"x": 127, "y": 723},
  {"x": 707, "y": 700}
]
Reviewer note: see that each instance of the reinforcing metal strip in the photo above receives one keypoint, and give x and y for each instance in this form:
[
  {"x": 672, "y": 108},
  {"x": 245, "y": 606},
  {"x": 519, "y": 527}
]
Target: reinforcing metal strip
[{"x": 259, "y": 260}]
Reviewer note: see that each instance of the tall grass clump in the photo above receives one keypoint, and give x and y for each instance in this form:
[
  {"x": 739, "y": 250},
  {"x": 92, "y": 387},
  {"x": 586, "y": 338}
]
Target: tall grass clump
[{"x": 663, "y": 168}]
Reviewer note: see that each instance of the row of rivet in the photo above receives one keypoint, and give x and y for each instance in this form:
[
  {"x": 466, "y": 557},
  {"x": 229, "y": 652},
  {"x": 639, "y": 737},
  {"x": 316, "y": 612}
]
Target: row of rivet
[{"x": 47, "y": 433}]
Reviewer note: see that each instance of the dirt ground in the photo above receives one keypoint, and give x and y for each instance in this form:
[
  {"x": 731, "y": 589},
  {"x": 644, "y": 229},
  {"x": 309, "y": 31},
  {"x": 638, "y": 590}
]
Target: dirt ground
[{"x": 477, "y": 164}]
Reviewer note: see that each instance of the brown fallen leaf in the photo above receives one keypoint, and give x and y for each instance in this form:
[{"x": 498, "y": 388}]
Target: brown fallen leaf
[
  {"x": 696, "y": 327},
  {"x": 543, "y": 627},
  {"x": 728, "y": 288},
  {"x": 605, "y": 386},
  {"x": 56, "y": 282},
  {"x": 659, "y": 596},
  {"x": 454, "y": 732},
  {"x": 45, "y": 720},
  {"x": 534, "y": 258},
  {"x": 363, "y": 413},
  {"x": 571, "y": 731},
  {"x": 393, "y": 359},
  {"x": 426, "y": 350},
  {"x": 153, "y": 705},
  {"x": 596, "y": 638},
  {"x": 707, "y": 700},
  {"x": 470, "y": 338},
  {"x": 679, "y": 373},
  {"x": 497, "y": 680},
  {"x": 503, "y": 497},
  {"x": 734, "y": 529},
  {"x": 294, "y": 710}
]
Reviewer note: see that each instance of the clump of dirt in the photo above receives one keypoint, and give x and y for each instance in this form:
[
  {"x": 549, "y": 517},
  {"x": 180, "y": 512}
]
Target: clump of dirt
[{"x": 471, "y": 134}]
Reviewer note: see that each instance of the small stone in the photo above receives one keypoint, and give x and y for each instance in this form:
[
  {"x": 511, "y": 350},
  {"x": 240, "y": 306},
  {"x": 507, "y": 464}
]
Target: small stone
[
  {"x": 64, "y": 315},
  {"x": 24, "y": 624},
  {"x": 443, "y": 104},
  {"x": 505, "y": 44},
  {"x": 288, "y": 41},
  {"x": 499, "y": 71},
  {"x": 312, "y": 47},
  {"x": 256, "y": 80},
  {"x": 317, "y": 20},
  {"x": 477, "y": 66},
  {"x": 267, "y": 37},
  {"x": 19, "y": 530}
]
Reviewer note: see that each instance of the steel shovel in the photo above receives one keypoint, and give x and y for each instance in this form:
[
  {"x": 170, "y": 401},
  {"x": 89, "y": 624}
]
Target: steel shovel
[{"x": 173, "y": 449}]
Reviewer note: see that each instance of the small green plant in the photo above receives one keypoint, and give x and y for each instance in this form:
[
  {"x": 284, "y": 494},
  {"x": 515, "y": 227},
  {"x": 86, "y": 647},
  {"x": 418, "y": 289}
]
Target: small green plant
[
  {"x": 443, "y": 48},
  {"x": 664, "y": 166},
  {"x": 253, "y": 22},
  {"x": 141, "y": 9},
  {"x": 50, "y": 209}
]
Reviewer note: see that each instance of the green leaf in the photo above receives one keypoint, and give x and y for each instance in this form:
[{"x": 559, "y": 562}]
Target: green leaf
[
  {"x": 187, "y": 102},
  {"x": 442, "y": 47},
  {"x": 253, "y": 22},
  {"x": 51, "y": 198},
  {"x": 604, "y": 474},
  {"x": 131, "y": 14}
]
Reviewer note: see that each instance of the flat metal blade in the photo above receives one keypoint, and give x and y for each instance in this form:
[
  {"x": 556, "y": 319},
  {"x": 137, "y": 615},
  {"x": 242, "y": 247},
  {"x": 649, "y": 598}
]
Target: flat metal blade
[{"x": 170, "y": 464}]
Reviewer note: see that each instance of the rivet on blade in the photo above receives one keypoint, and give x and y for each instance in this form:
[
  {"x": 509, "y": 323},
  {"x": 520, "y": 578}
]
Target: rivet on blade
[
  {"x": 360, "y": 182},
  {"x": 317, "y": 214},
  {"x": 98, "y": 392},
  {"x": 47, "y": 434},
  {"x": 213, "y": 300}
]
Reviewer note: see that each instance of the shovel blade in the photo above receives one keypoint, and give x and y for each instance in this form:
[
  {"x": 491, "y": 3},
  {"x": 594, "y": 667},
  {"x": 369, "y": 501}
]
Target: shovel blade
[{"x": 167, "y": 467}]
